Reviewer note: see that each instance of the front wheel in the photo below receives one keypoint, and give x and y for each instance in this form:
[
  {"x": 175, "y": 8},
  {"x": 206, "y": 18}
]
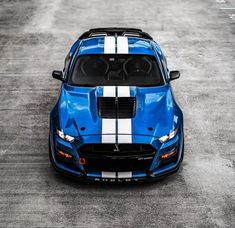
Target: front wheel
[
  {"x": 49, "y": 150},
  {"x": 182, "y": 155}
]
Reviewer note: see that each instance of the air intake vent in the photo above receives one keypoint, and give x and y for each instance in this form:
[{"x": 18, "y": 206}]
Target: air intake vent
[
  {"x": 117, "y": 107},
  {"x": 107, "y": 107},
  {"x": 126, "y": 107}
]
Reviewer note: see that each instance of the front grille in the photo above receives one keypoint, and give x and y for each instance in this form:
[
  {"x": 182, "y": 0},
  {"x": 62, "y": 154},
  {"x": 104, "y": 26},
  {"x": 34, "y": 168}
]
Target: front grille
[
  {"x": 116, "y": 107},
  {"x": 121, "y": 150},
  {"x": 125, "y": 157}
]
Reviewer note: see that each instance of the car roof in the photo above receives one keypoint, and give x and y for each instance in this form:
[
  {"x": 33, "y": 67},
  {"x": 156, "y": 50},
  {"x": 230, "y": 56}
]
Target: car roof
[{"x": 127, "y": 45}]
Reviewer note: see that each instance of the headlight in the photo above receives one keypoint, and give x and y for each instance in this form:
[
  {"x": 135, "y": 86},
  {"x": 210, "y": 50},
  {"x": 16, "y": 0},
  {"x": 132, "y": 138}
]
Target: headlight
[
  {"x": 169, "y": 136},
  {"x": 63, "y": 136}
]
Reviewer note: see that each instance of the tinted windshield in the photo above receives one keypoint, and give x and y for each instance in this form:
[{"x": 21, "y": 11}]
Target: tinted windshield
[{"x": 101, "y": 70}]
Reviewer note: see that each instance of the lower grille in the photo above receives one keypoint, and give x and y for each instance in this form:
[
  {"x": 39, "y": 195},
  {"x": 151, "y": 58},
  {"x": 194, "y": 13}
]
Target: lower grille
[{"x": 124, "y": 157}]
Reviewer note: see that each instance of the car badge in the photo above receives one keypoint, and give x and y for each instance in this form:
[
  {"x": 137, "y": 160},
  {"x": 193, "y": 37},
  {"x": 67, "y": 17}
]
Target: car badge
[{"x": 116, "y": 149}]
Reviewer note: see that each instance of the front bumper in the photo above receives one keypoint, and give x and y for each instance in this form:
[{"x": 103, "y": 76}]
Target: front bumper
[{"x": 157, "y": 169}]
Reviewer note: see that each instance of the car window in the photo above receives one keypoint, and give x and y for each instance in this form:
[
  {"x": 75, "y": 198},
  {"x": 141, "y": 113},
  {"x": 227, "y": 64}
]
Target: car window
[{"x": 132, "y": 70}]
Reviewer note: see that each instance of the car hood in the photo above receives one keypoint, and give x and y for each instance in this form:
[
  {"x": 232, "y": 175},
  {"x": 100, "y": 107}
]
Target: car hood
[{"x": 156, "y": 111}]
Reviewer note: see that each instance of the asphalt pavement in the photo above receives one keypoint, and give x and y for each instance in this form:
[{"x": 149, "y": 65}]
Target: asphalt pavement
[{"x": 197, "y": 37}]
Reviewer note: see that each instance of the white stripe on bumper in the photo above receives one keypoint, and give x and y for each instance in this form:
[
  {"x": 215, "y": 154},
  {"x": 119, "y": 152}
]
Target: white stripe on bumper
[
  {"x": 108, "y": 174},
  {"x": 124, "y": 175}
]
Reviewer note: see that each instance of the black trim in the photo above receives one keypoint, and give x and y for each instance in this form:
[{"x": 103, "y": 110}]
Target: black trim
[{"x": 114, "y": 31}]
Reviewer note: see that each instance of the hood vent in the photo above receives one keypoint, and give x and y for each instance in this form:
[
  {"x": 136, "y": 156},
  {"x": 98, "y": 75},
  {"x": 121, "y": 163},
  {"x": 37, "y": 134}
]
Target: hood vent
[{"x": 117, "y": 107}]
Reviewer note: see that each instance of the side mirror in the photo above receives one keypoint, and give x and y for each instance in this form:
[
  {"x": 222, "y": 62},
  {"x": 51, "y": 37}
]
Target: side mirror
[
  {"x": 174, "y": 75},
  {"x": 57, "y": 74}
]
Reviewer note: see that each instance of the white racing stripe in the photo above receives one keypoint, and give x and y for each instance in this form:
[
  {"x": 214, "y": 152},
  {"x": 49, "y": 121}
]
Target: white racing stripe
[
  {"x": 108, "y": 174},
  {"x": 124, "y": 138},
  {"x": 124, "y": 131},
  {"x": 108, "y": 130},
  {"x": 109, "y": 91},
  {"x": 109, "y": 125},
  {"x": 124, "y": 126},
  {"x": 122, "y": 45},
  {"x": 124, "y": 174},
  {"x": 123, "y": 91},
  {"x": 109, "y": 45},
  {"x": 108, "y": 138}
]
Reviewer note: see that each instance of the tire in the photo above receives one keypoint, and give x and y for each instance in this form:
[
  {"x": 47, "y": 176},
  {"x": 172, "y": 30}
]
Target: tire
[
  {"x": 182, "y": 155},
  {"x": 49, "y": 151}
]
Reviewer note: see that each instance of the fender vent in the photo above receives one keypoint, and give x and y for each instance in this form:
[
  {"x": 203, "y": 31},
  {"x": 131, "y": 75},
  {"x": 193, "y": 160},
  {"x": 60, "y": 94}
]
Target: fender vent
[{"x": 117, "y": 107}]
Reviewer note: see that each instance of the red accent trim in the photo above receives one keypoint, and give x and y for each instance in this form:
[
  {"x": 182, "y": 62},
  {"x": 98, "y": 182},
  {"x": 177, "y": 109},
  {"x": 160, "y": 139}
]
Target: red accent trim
[{"x": 82, "y": 161}]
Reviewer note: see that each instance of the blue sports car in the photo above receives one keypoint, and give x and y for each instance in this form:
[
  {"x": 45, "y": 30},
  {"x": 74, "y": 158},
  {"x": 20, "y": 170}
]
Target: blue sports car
[{"x": 116, "y": 118}]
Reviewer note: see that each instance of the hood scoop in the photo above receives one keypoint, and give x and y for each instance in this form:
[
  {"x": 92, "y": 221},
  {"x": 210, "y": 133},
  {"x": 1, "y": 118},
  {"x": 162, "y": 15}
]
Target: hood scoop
[{"x": 116, "y": 107}]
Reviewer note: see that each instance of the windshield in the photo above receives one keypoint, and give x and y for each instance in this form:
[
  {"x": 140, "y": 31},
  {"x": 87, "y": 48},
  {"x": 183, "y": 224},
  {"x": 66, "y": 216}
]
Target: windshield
[{"x": 102, "y": 70}]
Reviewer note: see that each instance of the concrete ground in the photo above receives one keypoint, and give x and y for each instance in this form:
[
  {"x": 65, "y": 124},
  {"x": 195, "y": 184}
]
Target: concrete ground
[{"x": 198, "y": 39}]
